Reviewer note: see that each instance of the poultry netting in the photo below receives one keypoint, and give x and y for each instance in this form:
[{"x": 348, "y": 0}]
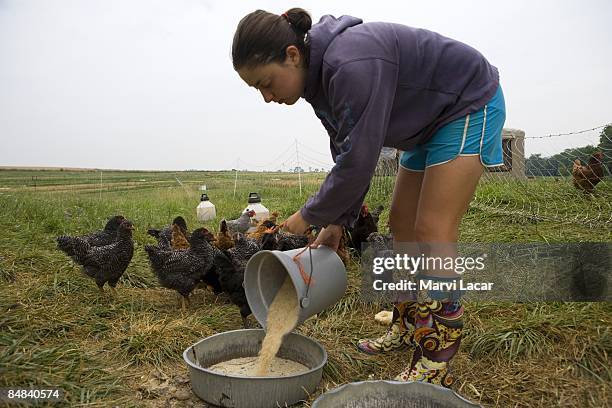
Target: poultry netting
[{"x": 557, "y": 177}]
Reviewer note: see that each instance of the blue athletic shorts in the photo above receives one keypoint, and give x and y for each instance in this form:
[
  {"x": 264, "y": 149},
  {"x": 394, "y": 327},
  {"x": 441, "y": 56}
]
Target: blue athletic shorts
[{"x": 476, "y": 134}]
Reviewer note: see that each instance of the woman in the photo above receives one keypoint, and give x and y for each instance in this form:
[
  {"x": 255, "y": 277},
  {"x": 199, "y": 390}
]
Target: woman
[{"x": 382, "y": 84}]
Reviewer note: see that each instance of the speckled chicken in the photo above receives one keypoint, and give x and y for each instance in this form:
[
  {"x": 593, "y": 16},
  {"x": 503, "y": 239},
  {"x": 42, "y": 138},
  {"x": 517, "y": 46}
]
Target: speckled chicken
[
  {"x": 244, "y": 248},
  {"x": 287, "y": 241},
  {"x": 182, "y": 270},
  {"x": 98, "y": 238},
  {"x": 164, "y": 235},
  {"x": 106, "y": 264},
  {"x": 242, "y": 223}
]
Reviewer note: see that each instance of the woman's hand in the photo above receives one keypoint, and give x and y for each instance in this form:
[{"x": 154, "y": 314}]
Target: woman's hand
[
  {"x": 296, "y": 224},
  {"x": 329, "y": 236}
]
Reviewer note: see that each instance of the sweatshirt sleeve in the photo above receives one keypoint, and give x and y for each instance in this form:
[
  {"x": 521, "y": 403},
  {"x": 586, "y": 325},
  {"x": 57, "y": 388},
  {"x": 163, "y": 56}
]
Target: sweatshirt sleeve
[{"x": 361, "y": 95}]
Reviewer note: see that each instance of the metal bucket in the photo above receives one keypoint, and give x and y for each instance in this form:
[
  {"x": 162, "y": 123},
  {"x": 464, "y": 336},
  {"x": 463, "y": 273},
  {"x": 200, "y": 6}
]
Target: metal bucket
[
  {"x": 391, "y": 394},
  {"x": 321, "y": 283},
  {"x": 253, "y": 392}
]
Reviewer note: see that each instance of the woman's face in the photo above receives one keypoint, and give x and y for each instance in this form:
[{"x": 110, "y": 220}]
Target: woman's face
[{"x": 280, "y": 83}]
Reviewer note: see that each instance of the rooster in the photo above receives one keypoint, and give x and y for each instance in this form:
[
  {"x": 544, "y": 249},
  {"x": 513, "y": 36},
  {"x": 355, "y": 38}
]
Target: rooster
[
  {"x": 242, "y": 223},
  {"x": 182, "y": 270},
  {"x": 587, "y": 177},
  {"x": 99, "y": 238},
  {"x": 106, "y": 264}
]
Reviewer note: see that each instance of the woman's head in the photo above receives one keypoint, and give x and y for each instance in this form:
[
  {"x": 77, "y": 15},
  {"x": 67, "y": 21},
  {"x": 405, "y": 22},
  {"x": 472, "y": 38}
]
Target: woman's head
[{"x": 270, "y": 53}]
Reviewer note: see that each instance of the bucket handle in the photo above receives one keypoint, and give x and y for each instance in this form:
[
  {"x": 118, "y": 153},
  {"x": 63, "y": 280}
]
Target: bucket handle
[{"x": 304, "y": 302}]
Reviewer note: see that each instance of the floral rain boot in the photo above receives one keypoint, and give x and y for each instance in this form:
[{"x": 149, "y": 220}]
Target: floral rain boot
[
  {"x": 397, "y": 336},
  {"x": 436, "y": 338}
]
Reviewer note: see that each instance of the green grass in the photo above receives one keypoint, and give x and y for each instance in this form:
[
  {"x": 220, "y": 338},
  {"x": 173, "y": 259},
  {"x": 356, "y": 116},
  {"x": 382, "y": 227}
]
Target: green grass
[{"x": 56, "y": 329}]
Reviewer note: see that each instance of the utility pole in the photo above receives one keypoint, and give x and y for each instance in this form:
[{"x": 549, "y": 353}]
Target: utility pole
[
  {"x": 236, "y": 179},
  {"x": 299, "y": 168}
]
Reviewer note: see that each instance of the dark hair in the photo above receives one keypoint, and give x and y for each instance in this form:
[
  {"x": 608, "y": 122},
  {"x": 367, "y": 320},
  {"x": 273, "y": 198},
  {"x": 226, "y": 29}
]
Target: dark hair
[{"x": 262, "y": 37}]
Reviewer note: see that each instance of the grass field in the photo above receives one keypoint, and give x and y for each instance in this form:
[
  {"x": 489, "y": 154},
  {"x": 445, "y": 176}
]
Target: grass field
[{"x": 57, "y": 330}]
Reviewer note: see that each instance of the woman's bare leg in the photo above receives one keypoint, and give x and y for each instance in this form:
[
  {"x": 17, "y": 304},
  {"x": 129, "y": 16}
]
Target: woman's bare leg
[
  {"x": 446, "y": 192},
  {"x": 402, "y": 219}
]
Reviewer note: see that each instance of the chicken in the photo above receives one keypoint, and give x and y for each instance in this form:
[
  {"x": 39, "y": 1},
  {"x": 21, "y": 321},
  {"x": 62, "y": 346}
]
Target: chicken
[
  {"x": 260, "y": 229},
  {"x": 231, "y": 283},
  {"x": 99, "y": 238},
  {"x": 342, "y": 250},
  {"x": 182, "y": 270},
  {"x": 244, "y": 248},
  {"x": 242, "y": 223},
  {"x": 164, "y": 236},
  {"x": 179, "y": 240},
  {"x": 587, "y": 177},
  {"x": 376, "y": 214},
  {"x": 268, "y": 240},
  {"x": 224, "y": 240},
  {"x": 364, "y": 226},
  {"x": 230, "y": 266},
  {"x": 273, "y": 217},
  {"x": 106, "y": 264}
]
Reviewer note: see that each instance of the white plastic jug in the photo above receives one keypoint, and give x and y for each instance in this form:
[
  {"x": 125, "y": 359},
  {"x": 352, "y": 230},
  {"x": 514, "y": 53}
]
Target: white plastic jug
[
  {"x": 261, "y": 212},
  {"x": 317, "y": 288},
  {"x": 205, "y": 210}
]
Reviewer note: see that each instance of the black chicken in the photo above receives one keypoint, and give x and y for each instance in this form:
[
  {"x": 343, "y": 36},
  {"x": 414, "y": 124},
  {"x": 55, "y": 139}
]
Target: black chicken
[
  {"x": 106, "y": 264},
  {"x": 164, "y": 235},
  {"x": 231, "y": 283},
  {"x": 230, "y": 266},
  {"x": 376, "y": 213},
  {"x": 183, "y": 269},
  {"x": 364, "y": 226},
  {"x": 99, "y": 238}
]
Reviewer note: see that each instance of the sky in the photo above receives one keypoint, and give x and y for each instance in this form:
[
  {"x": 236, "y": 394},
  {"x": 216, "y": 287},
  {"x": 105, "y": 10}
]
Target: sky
[{"x": 141, "y": 84}]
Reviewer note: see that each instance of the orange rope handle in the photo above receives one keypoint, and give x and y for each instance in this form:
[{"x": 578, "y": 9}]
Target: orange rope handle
[{"x": 305, "y": 277}]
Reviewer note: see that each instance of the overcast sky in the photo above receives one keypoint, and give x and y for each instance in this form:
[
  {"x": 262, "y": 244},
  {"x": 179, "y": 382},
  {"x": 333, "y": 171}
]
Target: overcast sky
[{"x": 138, "y": 84}]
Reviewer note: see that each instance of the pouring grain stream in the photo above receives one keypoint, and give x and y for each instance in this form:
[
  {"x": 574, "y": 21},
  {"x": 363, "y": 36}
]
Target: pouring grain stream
[{"x": 282, "y": 318}]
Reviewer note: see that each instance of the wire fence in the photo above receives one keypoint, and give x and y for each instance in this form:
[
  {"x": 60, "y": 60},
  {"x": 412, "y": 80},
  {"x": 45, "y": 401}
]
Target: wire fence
[{"x": 540, "y": 186}]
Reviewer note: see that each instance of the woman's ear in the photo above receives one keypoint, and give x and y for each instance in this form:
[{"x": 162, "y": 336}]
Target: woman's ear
[{"x": 293, "y": 55}]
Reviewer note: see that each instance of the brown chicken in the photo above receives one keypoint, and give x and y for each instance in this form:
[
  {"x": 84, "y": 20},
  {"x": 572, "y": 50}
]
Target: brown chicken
[
  {"x": 261, "y": 229},
  {"x": 587, "y": 177},
  {"x": 179, "y": 240},
  {"x": 273, "y": 216},
  {"x": 224, "y": 239}
]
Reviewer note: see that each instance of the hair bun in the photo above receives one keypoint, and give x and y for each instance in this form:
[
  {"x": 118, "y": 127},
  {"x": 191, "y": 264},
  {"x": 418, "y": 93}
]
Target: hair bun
[{"x": 299, "y": 19}]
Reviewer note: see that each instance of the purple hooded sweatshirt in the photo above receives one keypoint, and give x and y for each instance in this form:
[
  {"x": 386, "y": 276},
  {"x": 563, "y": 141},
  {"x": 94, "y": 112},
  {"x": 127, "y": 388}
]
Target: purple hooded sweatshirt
[{"x": 383, "y": 84}]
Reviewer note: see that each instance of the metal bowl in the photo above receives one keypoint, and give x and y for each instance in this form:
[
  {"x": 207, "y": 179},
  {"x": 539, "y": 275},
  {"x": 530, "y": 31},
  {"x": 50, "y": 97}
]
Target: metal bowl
[
  {"x": 253, "y": 392},
  {"x": 391, "y": 394}
]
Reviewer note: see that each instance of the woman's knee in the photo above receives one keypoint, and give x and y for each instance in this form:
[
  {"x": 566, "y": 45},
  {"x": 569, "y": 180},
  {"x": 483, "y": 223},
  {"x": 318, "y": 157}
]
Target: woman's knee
[{"x": 435, "y": 229}]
